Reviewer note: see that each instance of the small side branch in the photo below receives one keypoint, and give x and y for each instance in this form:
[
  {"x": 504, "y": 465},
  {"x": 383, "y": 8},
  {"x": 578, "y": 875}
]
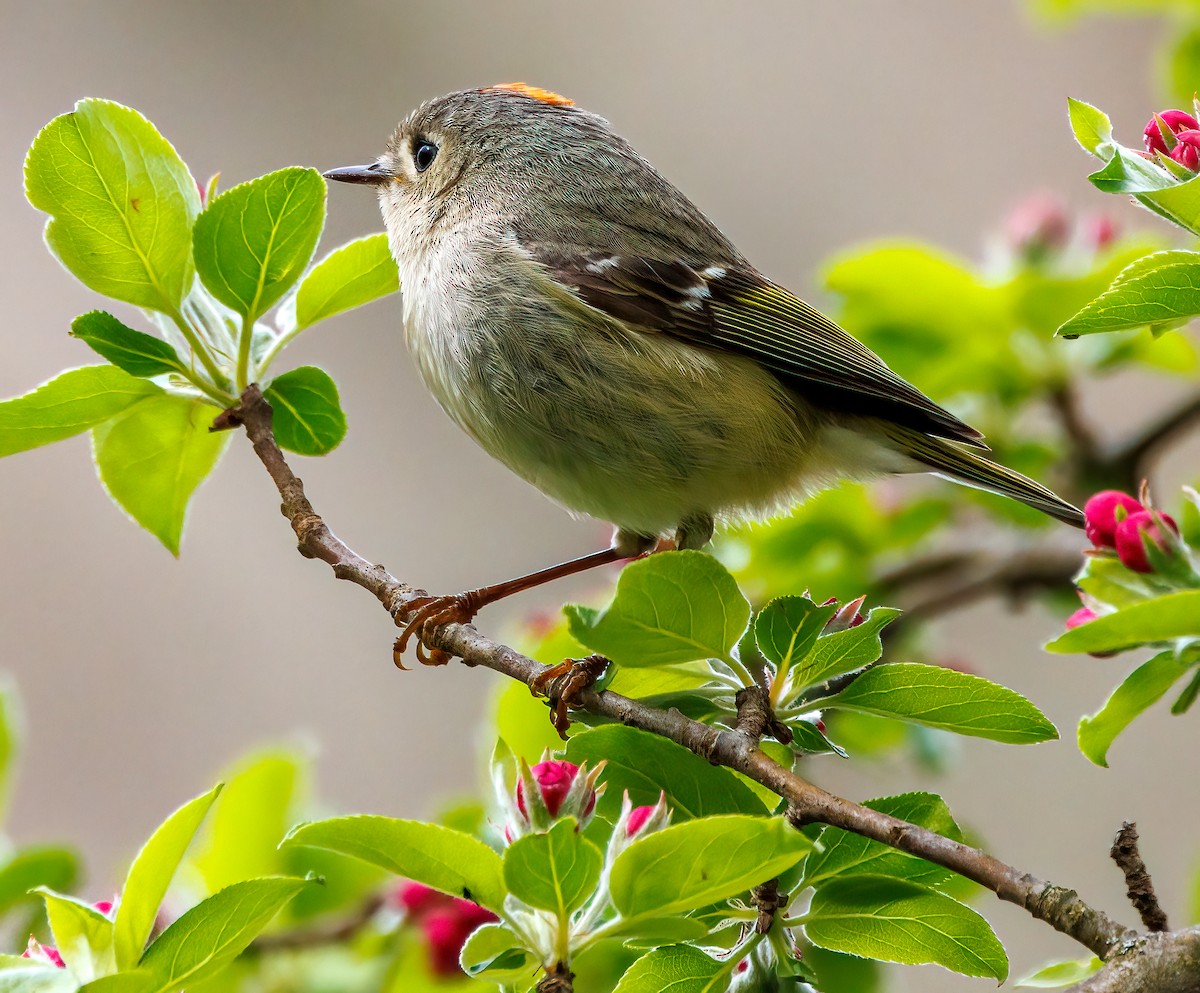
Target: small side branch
[{"x": 1138, "y": 885}]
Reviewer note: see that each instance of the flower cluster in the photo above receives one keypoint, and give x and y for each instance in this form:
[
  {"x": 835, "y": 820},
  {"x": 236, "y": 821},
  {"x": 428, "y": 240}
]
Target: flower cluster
[
  {"x": 1117, "y": 521},
  {"x": 445, "y": 922},
  {"x": 1175, "y": 134}
]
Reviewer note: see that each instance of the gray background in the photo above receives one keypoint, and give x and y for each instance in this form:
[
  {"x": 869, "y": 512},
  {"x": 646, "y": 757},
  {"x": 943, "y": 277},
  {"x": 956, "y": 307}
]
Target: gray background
[{"x": 802, "y": 128}]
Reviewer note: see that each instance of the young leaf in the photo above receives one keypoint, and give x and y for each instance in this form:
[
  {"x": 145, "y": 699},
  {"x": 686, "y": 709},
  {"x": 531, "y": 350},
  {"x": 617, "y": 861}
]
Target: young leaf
[
  {"x": 690, "y": 865},
  {"x": 306, "y": 416},
  {"x": 254, "y": 240},
  {"x": 152, "y": 458},
  {"x": 139, "y": 354},
  {"x": 121, "y": 203},
  {"x": 647, "y": 765},
  {"x": 1141, "y": 688},
  {"x": 845, "y": 651},
  {"x": 668, "y": 608},
  {"x": 83, "y": 935},
  {"x": 843, "y": 852},
  {"x": 215, "y": 931},
  {"x": 900, "y": 921},
  {"x": 1178, "y": 202},
  {"x": 1158, "y": 290},
  {"x": 1175, "y": 615},
  {"x": 1092, "y": 128},
  {"x": 787, "y": 628},
  {"x": 494, "y": 953},
  {"x": 446, "y": 860},
  {"x": 150, "y": 875},
  {"x": 67, "y": 405},
  {"x": 675, "y": 969},
  {"x": 350, "y": 276},
  {"x": 1059, "y": 974},
  {"x": 556, "y": 871},
  {"x": 27, "y": 978},
  {"x": 944, "y": 698}
]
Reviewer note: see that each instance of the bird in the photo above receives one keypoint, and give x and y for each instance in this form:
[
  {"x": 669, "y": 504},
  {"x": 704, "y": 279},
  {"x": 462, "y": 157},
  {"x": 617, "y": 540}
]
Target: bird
[{"x": 580, "y": 318}]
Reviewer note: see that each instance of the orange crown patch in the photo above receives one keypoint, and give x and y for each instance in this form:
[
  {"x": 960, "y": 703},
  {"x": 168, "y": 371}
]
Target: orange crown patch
[{"x": 534, "y": 93}]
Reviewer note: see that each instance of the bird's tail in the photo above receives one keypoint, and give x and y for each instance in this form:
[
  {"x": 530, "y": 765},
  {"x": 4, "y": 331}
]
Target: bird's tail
[{"x": 944, "y": 458}]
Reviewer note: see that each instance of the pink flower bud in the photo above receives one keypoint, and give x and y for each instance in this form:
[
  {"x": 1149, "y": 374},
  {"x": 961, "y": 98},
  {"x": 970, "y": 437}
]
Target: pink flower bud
[
  {"x": 1187, "y": 150},
  {"x": 1037, "y": 226},
  {"x": 1131, "y": 547},
  {"x": 416, "y": 898},
  {"x": 637, "y": 819},
  {"x": 1103, "y": 512},
  {"x": 1081, "y": 616},
  {"x": 445, "y": 934},
  {"x": 471, "y": 914},
  {"x": 1099, "y": 231},
  {"x": 848, "y": 615},
  {"x": 554, "y": 781},
  {"x": 1175, "y": 120},
  {"x": 37, "y": 952}
]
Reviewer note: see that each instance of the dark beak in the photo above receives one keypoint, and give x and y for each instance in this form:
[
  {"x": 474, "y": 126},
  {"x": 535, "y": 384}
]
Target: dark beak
[{"x": 375, "y": 174}]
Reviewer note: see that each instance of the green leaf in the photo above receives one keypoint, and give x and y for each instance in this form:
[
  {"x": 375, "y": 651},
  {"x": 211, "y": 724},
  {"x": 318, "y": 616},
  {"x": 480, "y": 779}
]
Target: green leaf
[
  {"x": 1058, "y": 974},
  {"x": 10, "y": 734},
  {"x": 808, "y": 739},
  {"x": 83, "y": 935},
  {"x": 215, "y": 931},
  {"x": 350, "y": 276},
  {"x": 675, "y": 969},
  {"x": 843, "y": 852},
  {"x": 152, "y": 458},
  {"x": 256, "y": 809},
  {"x": 1175, "y": 615},
  {"x": 669, "y": 608},
  {"x": 139, "y": 354},
  {"x": 121, "y": 203},
  {"x": 840, "y": 973},
  {"x": 788, "y": 627},
  {"x": 306, "y": 416},
  {"x": 120, "y": 982},
  {"x": 899, "y": 921},
  {"x": 699, "y": 862},
  {"x": 1179, "y": 202},
  {"x": 944, "y": 698},
  {"x": 1160, "y": 289},
  {"x": 254, "y": 241},
  {"x": 1127, "y": 172},
  {"x": 1141, "y": 688},
  {"x": 28, "y": 978},
  {"x": 67, "y": 405},
  {"x": 446, "y": 860},
  {"x": 844, "y": 651},
  {"x": 646, "y": 765},
  {"x": 556, "y": 871},
  {"x": 494, "y": 953},
  {"x": 1092, "y": 128},
  {"x": 32, "y": 867},
  {"x": 150, "y": 876}
]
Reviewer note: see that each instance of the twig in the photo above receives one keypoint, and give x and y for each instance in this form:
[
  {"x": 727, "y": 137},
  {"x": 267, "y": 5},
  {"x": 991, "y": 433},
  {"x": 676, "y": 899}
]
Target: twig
[
  {"x": 1084, "y": 450},
  {"x": 330, "y": 934},
  {"x": 768, "y": 901},
  {"x": 1139, "y": 887},
  {"x": 1129, "y": 463},
  {"x": 1061, "y": 908}
]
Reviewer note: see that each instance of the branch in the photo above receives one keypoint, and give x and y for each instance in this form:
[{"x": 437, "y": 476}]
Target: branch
[
  {"x": 1159, "y": 962},
  {"x": 1138, "y": 885},
  {"x": 1061, "y": 908},
  {"x": 1129, "y": 463}
]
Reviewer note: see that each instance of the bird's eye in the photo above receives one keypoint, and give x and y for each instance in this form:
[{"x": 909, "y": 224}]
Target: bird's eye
[{"x": 424, "y": 152}]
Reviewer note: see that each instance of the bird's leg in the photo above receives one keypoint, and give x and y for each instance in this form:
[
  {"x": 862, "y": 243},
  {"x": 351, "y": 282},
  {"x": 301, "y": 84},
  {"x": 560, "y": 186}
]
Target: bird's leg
[{"x": 432, "y": 612}]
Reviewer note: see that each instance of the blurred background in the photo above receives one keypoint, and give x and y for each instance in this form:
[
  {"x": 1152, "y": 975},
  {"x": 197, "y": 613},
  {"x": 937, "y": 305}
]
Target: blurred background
[{"x": 801, "y": 129}]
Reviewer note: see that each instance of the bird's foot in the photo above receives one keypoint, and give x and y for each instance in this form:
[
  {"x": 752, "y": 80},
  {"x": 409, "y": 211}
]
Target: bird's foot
[
  {"x": 428, "y": 614},
  {"x": 563, "y": 684}
]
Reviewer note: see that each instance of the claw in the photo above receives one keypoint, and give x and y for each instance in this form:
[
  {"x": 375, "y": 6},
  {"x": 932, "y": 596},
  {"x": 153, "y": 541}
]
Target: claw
[
  {"x": 562, "y": 685},
  {"x": 428, "y": 614}
]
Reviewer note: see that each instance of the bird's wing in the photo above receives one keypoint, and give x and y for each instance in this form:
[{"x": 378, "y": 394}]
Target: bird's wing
[{"x": 735, "y": 309}]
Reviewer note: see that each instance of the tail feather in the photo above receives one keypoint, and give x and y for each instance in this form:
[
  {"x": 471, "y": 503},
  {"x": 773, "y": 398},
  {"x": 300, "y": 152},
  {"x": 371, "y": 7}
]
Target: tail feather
[{"x": 961, "y": 465}]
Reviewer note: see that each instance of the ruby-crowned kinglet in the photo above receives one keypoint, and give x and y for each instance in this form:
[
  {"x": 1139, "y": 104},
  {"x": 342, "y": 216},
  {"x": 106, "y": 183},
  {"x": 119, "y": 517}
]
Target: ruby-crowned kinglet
[{"x": 585, "y": 323}]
